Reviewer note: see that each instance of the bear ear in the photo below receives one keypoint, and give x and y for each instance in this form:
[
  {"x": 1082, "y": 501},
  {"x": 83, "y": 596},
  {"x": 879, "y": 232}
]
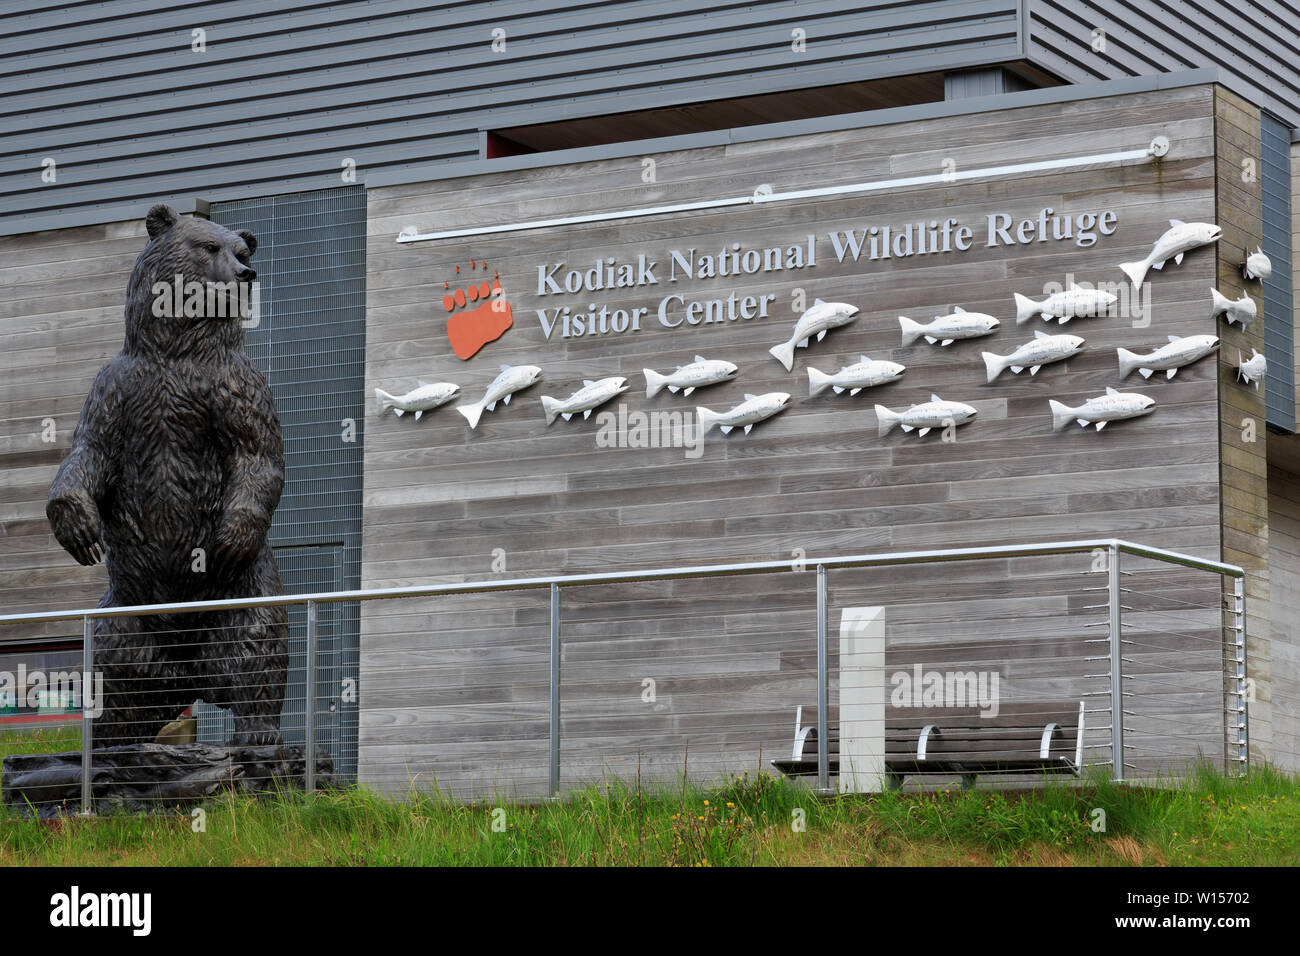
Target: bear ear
[
  {"x": 250, "y": 240},
  {"x": 161, "y": 218}
]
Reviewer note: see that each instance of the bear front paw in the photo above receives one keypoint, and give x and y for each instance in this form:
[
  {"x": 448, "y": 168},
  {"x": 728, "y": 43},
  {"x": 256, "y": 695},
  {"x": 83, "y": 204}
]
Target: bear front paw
[{"x": 78, "y": 528}]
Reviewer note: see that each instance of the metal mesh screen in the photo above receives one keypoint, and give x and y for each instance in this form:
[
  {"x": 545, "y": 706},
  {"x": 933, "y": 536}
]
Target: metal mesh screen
[
  {"x": 1279, "y": 319},
  {"x": 309, "y": 341}
]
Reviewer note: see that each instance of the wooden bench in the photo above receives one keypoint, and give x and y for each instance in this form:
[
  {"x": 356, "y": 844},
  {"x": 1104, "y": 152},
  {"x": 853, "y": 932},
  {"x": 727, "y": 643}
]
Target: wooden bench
[{"x": 1044, "y": 737}]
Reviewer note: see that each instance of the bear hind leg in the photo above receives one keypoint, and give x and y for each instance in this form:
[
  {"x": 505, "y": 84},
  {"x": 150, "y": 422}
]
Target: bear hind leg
[
  {"x": 248, "y": 662},
  {"x": 141, "y": 688}
]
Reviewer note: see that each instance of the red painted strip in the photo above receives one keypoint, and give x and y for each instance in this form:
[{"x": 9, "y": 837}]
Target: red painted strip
[{"x": 38, "y": 718}]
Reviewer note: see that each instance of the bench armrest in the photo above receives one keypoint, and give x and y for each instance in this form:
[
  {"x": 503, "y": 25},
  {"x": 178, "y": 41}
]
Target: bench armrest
[
  {"x": 801, "y": 734},
  {"x": 1053, "y": 729},
  {"x": 1078, "y": 743},
  {"x": 928, "y": 731},
  {"x": 1045, "y": 745},
  {"x": 799, "y": 740}
]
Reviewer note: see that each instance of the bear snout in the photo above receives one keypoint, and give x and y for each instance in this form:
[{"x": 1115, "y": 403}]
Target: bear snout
[{"x": 245, "y": 274}]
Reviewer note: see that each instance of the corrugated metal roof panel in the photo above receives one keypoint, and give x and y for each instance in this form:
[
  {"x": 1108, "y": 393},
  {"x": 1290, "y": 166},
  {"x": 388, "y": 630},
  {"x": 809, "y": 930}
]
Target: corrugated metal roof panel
[{"x": 1255, "y": 45}]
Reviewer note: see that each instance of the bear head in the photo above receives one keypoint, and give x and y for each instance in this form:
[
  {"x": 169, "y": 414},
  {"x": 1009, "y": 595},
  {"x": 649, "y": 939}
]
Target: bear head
[{"x": 190, "y": 291}]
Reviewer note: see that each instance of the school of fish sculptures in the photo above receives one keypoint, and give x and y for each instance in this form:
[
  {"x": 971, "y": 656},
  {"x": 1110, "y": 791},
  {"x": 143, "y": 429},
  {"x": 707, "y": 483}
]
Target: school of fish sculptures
[{"x": 943, "y": 330}]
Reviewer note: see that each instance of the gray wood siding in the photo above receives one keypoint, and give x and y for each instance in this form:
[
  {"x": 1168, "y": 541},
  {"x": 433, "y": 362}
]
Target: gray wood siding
[
  {"x": 457, "y": 689},
  {"x": 1244, "y": 466},
  {"x": 1284, "y": 560},
  {"x": 61, "y": 319}
]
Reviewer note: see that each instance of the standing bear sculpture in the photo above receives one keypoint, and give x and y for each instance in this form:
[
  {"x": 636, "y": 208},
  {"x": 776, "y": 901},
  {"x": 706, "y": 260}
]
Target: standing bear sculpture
[{"x": 175, "y": 470}]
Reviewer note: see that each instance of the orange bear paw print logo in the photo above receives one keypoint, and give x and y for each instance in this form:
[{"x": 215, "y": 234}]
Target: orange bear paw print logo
[{"x": 473, "y": 326}]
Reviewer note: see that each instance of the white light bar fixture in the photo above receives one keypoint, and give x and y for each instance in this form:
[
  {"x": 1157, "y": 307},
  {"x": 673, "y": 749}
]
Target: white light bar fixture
[{"x": 764, "y": 194}]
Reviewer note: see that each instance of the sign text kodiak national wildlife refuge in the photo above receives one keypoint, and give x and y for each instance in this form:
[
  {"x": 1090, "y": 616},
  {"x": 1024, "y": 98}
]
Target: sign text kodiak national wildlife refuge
[{"x": 869, "y": 244}]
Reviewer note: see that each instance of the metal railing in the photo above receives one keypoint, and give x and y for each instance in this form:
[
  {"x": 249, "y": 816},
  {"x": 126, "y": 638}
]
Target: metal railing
[{"x": 1233, "y": 644}]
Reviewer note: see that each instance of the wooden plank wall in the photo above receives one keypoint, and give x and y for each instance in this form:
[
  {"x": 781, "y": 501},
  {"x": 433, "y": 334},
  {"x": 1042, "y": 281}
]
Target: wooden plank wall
[
  {"x": 1284, "y": 554},
  {"x": 457, "y": 689},
  {"x": 60, "y": 320},
  {"x": 1243, "y": 435},
  {"x": 1284, "y": 560}
]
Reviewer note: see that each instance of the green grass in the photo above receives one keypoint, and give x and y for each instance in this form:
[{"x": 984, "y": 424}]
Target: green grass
[
  {"x": 1205, "y": 820},
  {"x": 41, "y": 739}
]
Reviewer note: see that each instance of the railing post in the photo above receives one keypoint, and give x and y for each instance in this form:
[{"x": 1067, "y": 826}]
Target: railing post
[
  {"x": 555, "y": 690},
  {"x": 823, "y": 697},
  {"x": 309, "y": 721},
  {"x": 87, "y": 720},
  {"x": 1116, "y": 670},
  {"x": 1241, "y": 719}
]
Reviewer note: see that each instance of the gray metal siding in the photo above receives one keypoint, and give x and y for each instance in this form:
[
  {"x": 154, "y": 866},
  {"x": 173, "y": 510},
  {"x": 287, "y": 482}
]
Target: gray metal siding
[
  {"x": 287, "y": 89},
  {"x": 1279, "y": 315},
  {"x": 1255, "y": 45},
  {"x": 991, "y": 81}
]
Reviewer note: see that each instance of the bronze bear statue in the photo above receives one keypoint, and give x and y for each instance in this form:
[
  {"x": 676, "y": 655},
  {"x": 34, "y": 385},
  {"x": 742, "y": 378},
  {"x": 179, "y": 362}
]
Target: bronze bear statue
[{"x": 176, "y": 468}]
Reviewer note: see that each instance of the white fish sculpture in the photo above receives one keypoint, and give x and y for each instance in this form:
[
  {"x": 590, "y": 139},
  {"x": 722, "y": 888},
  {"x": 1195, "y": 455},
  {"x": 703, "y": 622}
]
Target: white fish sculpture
[
  {"x": 936, "y": 413},
  {"x": 591, "y": 395},
  {"x": 946, "y": 329},
  {"x": 1240, "y": 310},
  {"x": 1112, "y": 406},
  {"x": 1033, "y": 355},
  {"x": 816, "y": 322},
  {"x": 1071, "y": 303},
  {"x": 512, "y": 379},
  {"x": 423, "y": 399},
  {"x": 1257, "y": 265},
  {"x": 866, "y": 373},
  {"x": 754, "y": 409},
  {"x": 1251, "y": 370},
  {"x": 1168, "y": 358},
  {"x": 688, "y": 378},
  {"x": 1181, "y": 238}
]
